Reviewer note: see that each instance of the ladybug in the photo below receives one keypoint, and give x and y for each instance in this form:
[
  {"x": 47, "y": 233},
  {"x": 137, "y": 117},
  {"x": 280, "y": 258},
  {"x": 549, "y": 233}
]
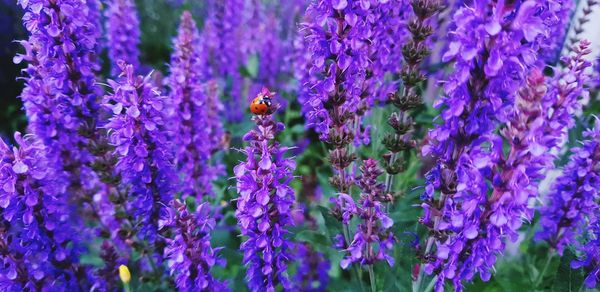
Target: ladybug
[{"x": 262, "y": 103}]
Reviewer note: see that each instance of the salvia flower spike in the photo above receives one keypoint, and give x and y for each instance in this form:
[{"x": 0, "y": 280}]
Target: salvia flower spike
[{"x": 264, "y": 206}]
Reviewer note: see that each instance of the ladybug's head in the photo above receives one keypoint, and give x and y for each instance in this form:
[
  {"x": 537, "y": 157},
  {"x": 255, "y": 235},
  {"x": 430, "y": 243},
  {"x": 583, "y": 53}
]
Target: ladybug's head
[{"x": 265, "y": 92}]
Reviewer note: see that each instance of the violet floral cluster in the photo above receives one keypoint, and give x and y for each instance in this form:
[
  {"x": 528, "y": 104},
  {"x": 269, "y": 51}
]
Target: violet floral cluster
[
  {"x": 313, "y": 267},
  {"x": 189, "y": 254},
  {"x": 123, "y": 34},
  {"x": 264, "y": 206},
  {"x": 39, "y": 249},
  {"x": 221, "y": 43},
  {"x": 572, "y": 205},
  {"x": 138, "y": 132},
  {"x": 196, "y": 119},
  {"x": 492, "y": 55},
  {"x": 60, "y": 96},
  {"x": 373, "y": 240}
]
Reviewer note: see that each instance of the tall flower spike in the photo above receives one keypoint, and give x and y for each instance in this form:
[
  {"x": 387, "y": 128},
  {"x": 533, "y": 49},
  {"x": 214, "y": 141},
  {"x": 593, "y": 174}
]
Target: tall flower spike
[
  {"x": 192, "y": 118},
  {"x": 536, "y": 130},
  {"x": 335, "y": 36},
  {"x": 60, "y": 95},
  {"x": 123, "y": 34},
  {"x": 573, "y": 200},
  {"x": 38, "y": 247},
  {"x": 373, "y": 239},
  {"x": 399, "y": 142},
  {"x": 189, "y": 254},
  {"x": 137, "y": 130},
  {"x": 264, "y": 206},
  {"x": 590, "y": 250},
  {"x": 222, "y": 43},
  {"x": 492, "y": 56}
]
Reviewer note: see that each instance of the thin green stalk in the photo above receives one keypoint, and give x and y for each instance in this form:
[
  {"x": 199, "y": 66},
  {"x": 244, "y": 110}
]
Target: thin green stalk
[
  {"x": 127, "y": 287},
  {"x": 372, "y": 279},
  {"x": 540, "y": 277}
]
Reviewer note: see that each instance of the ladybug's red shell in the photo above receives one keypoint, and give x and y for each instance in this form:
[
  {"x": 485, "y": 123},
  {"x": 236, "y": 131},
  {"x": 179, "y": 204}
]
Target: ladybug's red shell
[{"x": 260, "y": 105}]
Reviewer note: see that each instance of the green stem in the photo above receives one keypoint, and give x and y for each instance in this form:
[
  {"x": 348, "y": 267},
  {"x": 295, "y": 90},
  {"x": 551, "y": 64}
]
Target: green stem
[
  {"x": 540, "y": 277},
  {"x": 372, "y": 279},
  {"x": 127, "y": 287}
]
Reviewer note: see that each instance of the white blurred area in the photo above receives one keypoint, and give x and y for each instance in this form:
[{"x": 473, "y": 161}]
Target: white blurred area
[{"x": 591, "y": 29}]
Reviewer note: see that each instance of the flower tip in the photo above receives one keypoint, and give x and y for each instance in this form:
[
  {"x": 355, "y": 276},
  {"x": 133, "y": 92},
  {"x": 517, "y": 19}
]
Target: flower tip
[{"x": 124, "y": 274}]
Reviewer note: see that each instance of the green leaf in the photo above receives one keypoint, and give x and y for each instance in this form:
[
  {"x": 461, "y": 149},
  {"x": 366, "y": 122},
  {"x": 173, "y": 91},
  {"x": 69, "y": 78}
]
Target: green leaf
[
  {"x": 567, "y": 279},
  {"x": 334, "y": 226},
  {"x": 318, "y": 240}
]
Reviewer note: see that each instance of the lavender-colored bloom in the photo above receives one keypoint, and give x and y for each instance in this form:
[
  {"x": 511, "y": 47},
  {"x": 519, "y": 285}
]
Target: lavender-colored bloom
[
  {"x": 38, "y": 248},
  {"x": 573, "y": 199},
  {"x": 557, "y": 15},
  {"x": 336, "y": 33},
  {"x": 194, "y": 139},
  {"x": 123, "y": 34},
  {"x": 591, "y": 250},
  {"x": 222, "y": 40},
  {"x": 137, "y": 130},
  {"x": 313, "y": 268},
  {"x": 480, "y": 94},
  {"x": 60, "y": 94},
  {"x": 189, "y": 254},
  {"x": 372, "y": 240},
  {"x": 264, "y": 206}
]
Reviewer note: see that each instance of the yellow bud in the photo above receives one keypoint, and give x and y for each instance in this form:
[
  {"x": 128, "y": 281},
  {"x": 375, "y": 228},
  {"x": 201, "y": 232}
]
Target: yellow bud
[{"x": 124, "y": 274}]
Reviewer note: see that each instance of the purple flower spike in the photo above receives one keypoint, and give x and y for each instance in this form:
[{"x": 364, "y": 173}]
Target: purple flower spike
[
  {"x": 123, "y": 34},
  {"x": 313, "y": 269},
  {"x": 137, "y": 130},
  {"x": 38, "y": 250},
  {"x": 222, "y": 43},
  {"x": 574, "y": 196},
  {"x": 493, "y": 54},
  {"x": 60, "y": 94},
  {"x": 373, "y": 239},
  {"x": 197, "y": 120},
  {"x": 189, "y": 254},
  {"x": 264, "y": 206}
]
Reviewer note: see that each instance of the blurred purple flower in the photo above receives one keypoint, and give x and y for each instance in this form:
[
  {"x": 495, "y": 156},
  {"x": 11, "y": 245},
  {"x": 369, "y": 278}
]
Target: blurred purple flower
[
  {"x": 123, "y": 34},
  {"x": 196, "y": 139},
  {"x": 573, "y": 200},
  {"x": 312, "y": 274}
]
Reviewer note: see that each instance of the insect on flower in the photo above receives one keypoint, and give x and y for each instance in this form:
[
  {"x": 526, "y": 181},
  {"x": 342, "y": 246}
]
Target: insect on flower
[{"x": 262, "y": 103}]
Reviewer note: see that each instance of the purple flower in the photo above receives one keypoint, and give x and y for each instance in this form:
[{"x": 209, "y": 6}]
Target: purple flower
[
  {"x": 373, "y": 239},
  {"x": 264, "y": 206},
  {"x": 312, "y": 274},
  {"x": 336, "y": 36},
  {"x": 557, "y": 15},
  {"x": 222, "y": 40},
  {"x": 195, "y": 139},
  {"x": 137, "y": 131},
  {"x": 60, "y": 95},
  {"x": 123, "y": 34},
  {"x": 573, "y": 199},
  {"x": 590, "y": 250},
  {"x": 38, "y": 245},
  {"x": 492, "y": 55},
  {"x": 189, "y": 254}
]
